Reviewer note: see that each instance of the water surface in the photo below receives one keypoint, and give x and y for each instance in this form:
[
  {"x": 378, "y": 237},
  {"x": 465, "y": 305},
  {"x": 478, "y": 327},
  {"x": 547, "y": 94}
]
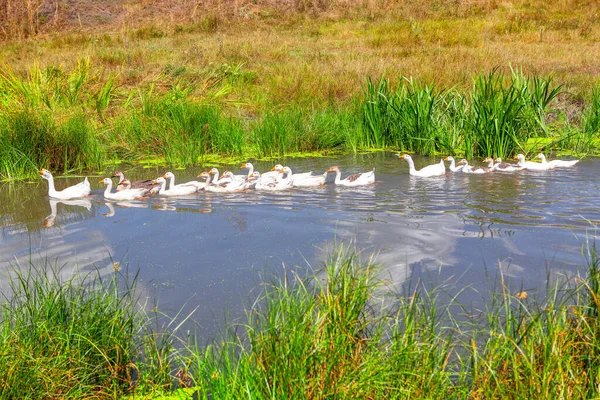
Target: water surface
[{"x": 211, "y": 250}]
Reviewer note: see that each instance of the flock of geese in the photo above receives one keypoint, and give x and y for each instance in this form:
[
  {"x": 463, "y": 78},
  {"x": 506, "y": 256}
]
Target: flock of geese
[{"x": 279, "y": 178}]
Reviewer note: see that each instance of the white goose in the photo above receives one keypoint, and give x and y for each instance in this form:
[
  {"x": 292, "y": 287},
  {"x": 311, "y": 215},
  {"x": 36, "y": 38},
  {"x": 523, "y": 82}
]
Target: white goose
[
  {"x": 233, "y": 185},
  {"x": 279, "y": 170},
  {"x": 467, "y": 169},
  {"x": 216, "y": 180},
  {"x": 558, "y": 163},
  {"x": 506, "y": 167},
  {"x": 125, "y": 183},
  {"x": 176, "y": 191},
  {"x": 82, "y": 189},
  {"x": 282, "y": 184},
  {"x": 171, "y": 178},
  {"x": 453, "y": 166},
  {"x": 125, "y": 194},
  {"x": 304, "y": 180},
  {"x": 531, "y": 165},
  {"x": 364, "y": 178},
  {"x": 425, "y": 172}
]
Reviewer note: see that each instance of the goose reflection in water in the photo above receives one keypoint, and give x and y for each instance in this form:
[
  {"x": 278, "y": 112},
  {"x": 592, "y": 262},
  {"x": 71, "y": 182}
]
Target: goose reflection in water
[
  {"x": 50, "y": 219},
  {"x": 121, "y": 204}
]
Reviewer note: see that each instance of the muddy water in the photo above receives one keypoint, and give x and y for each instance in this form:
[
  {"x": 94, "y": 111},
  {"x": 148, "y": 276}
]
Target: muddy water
[{"x": 210, "y": 250}]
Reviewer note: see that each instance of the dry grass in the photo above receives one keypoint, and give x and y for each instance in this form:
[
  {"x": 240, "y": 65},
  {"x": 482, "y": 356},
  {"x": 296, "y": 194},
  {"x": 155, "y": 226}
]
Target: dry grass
[{"x": 309, "y": 50}]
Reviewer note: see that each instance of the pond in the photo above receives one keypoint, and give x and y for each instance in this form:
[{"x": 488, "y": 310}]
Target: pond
[{"x": 210, "y": 251}]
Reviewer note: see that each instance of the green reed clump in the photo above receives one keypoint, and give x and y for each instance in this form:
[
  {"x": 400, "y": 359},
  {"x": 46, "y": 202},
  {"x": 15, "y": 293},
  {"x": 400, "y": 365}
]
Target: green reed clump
[
  {"x": 293, "y": 129},
  {"x": 65, "y": 335},
  {"x": 414, "y": 117},
  {"x": 506, "y": 112}
]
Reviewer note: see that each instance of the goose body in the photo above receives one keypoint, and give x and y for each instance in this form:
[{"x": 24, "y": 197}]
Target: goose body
[
  {"x": 425, "y": 172},
  {"x": 361, "y": 179},
  {"x": 558, "y": 163},
  {"x": 283, "y": 184},
  {"x": 228, "y": 186},
  {"x": 125, "y": 183},
  {"x": 82, "y": 189},
  {"x": 280, "y": 171},
  {"x": 179, "y": 190},
  {"x": 467, "y": 169},
  {"x": 506, "y": 167},
  {"x": 534, "y": 166},
  {"x": 453, "y": 166},
  {"x": 305, "y": 180},
  {"x": 126, "y": 194},
  {"x": 171, "y": 179}
]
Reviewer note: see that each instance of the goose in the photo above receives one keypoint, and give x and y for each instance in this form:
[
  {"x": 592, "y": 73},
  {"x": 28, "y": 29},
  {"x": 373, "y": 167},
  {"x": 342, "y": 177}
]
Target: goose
[
  {"x": 250, "y": 169},
  {"x": 216, "y": 180},
  {"x": 506, "y": 167},
  {"x": 234, "y": 185},
  {"x": 126, "y": 194},
  {"x": 467, "y": 169},
  {"x": 279, "y": 171},
  {"x": 305, "y": 181},
  {"x": 364, "y": 178},
  {"x": 453, "y": 166},
  {"x": 125, "y": 183},
  {"x": 425, "y": 172},
  {"x": 283, "y": 184},
  {"x": 531, "y": 165},
  {"x": 82, "y": 189},
  {"x": 558, "y": 163},
  {"x": 179, "y": 190},
  {"x": 171, "y": 177}
]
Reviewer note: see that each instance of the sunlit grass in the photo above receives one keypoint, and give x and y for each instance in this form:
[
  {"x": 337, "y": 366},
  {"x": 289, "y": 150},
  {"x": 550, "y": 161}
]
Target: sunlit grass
[{"x": 336, "y": 331}]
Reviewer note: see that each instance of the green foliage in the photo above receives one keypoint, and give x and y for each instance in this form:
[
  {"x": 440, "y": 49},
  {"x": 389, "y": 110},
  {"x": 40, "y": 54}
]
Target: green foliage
[{"x": 76, "y": 120}]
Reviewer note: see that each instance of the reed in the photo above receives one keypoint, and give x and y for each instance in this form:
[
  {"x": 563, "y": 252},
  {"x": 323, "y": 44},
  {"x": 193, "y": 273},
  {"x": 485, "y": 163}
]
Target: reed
[{"x": 77, "y": 119}]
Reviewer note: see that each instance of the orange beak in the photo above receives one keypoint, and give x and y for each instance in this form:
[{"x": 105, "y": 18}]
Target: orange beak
[
  {"x": 41, "y": 172},
  {"x": 101, "y": 181}
]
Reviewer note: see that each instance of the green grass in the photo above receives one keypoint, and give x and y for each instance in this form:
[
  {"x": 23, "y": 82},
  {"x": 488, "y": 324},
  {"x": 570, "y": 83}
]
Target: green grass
[
  {"x": 79, "y": 336},
  {"x": 338, "y": 332},
  {"x": 80, "y": 120}
]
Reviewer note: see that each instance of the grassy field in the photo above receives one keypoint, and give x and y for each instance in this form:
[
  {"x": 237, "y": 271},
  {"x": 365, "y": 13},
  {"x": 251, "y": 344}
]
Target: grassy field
[
  {"x": 339, "y": 332},
  {"x": 82, "y": 86}
]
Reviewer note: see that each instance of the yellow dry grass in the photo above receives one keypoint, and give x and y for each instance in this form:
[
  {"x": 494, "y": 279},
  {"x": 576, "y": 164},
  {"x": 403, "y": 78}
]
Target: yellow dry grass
[{"x": 319, "y": 51}]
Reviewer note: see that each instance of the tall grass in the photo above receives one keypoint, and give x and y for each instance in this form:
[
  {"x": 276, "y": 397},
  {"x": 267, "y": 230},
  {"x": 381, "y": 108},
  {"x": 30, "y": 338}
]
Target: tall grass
[
  {"x": 79, "y": 119},
  {"x": 338, "y": 332},
  {"x": 71, "y": 336}
]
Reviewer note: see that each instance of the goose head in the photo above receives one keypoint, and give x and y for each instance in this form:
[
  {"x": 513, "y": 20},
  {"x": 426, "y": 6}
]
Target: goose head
[
  {"x": 44, "y": 173},
  {"x": 106, "y": 181},
  {"x": 449, "y": 158},
  {"x": 204, "y": 175},
  {"x": 227, "y": 174},
  {"x": 159, "y": 181},
  {"x": 168, "y": 175},
  {"x": 246, "y": 165},
  {"x": 334, "y": 169},
  {"x": 278, "y": 168}
]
